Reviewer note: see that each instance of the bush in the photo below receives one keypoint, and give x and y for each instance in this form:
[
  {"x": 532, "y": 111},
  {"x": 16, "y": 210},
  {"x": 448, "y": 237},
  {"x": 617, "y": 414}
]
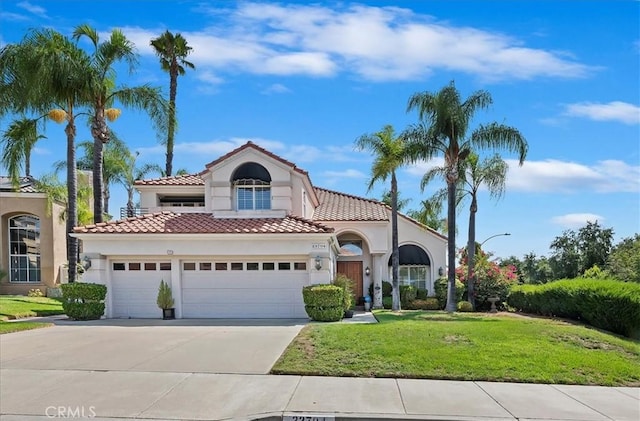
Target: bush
[
  {"x": 465, "y": 306},
  {"x": 407, "y": 294},
  {"x": 35, "y": 292},
  {"x": 387, "y": 289},
  {"x": 430, "y": 303},
  {"x": 324, "y": 303},
  {"x": 606, "y": 304},
  {"x": 347, "y": 285},
  {"x": 387, "y": 302},
  {"x": 83, "y": 301},
  {"x": 441, "y": 286},
  {"x": 165, "y": 297},
  {"x": 422, "y": 294}
]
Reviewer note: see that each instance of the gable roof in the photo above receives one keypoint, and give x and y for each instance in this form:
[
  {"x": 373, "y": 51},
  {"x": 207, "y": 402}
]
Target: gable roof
[
  {"x": 336, "y": 206},
  {"x": 251, "y": 145},
  {"x": 178, "y": 180},
  {"x": 204, "y": 223},
  {"x": 25, "y": 185}
]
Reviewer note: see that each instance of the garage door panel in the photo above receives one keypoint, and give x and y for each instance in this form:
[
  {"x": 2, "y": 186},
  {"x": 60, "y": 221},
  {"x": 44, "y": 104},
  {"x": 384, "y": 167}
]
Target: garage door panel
[
  {"x": 134, "y": 293},
  {"x": 239, "y": 296},
  {"x": 233, "y": 311},
  {"x": 190, "y": 281}
]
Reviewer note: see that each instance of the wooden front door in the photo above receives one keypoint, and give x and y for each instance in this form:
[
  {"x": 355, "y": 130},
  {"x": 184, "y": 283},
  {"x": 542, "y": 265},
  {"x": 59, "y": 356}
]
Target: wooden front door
[{"x": 353, "y": 271}]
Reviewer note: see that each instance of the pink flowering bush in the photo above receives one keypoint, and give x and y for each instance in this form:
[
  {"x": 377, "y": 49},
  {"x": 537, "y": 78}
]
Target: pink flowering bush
[{"x": 490, "y": 279}]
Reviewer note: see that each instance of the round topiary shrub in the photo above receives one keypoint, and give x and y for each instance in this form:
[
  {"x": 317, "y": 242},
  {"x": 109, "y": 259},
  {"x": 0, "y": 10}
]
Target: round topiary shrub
[
  {"x": 83, "y": 301},
  {"x": 465, "y": 306},
  {"x": 324, "y": 303}
]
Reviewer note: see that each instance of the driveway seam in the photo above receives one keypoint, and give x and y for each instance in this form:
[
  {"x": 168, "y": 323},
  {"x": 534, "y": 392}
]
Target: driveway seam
[
  {"x": 295, "y": 389},
  {"x": 139, "y": 414},
  {"x": 404, "y": 408}
]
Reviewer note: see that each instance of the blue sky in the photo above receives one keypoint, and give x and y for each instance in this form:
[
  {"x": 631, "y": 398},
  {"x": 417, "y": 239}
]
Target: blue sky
[{"x": 304, "y": 81}]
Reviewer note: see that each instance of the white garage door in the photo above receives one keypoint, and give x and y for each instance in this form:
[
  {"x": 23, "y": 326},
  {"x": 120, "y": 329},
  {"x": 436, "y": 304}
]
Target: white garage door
[
  {"x": 243, "y": 289},
  {"x": 134, "y": 286}
]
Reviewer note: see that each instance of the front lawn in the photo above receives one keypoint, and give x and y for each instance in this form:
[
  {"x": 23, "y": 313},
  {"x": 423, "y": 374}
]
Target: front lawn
[
  {"x": 464, "y": 346},
  {"x": 10, "y": 327},
  {"x": 20, "y": 306}
]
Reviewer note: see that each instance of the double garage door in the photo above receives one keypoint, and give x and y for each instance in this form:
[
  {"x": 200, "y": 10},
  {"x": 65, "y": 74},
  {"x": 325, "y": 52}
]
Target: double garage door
[{"x": 212, "y": 290}]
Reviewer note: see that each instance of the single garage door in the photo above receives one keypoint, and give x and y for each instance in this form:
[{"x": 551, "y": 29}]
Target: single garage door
[
  {"x": 134, "y": 286},
  {"x": 243, "y": 289}
]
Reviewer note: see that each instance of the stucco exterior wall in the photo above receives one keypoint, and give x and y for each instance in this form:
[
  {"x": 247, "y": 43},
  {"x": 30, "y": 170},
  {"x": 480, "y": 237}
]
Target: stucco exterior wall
[{"x": 52, "y": 239}]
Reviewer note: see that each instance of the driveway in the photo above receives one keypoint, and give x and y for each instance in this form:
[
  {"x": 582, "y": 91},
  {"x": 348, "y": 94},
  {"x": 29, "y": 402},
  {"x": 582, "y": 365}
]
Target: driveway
[{"x": 178, "y": 346}]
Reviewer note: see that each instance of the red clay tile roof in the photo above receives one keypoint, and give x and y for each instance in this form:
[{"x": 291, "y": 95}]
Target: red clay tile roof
[
  {"x": 179, "y": 180},
  {"x": 336, "y": 206},
  {"x": 25, "y": 185},
  {"x": 204, "y": 223},
  {"x": 250, "y": 144}
]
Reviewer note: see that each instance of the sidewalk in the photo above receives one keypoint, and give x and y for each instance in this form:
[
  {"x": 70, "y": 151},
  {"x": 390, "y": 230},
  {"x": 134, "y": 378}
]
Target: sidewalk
[{"x": 39, "y": 394}]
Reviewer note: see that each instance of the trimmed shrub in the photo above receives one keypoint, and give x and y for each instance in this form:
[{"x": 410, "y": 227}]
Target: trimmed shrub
[
  {"x": 465, "y": 306},
  {"x": 441, "y": 286},
  {"x": 422, "y": 294},
  {"x": 324, "y": 303},
  {"x": 606, "y": 304},
  {"x": 430, "y": 303},
  {"x": 387, "y": 289},
  {"x": 347, "y": 285},
  {"x": 387, "y": 302},
  {"x": 83, "y": 301},
  {"x": 407, "y": 294}
]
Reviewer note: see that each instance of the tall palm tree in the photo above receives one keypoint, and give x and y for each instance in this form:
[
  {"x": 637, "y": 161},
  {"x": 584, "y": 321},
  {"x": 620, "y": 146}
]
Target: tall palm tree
[
  {"x": 429, "y": 214},
  {"x": 102, "y": 94},
  {"x": 473, "y": 173},
  {"x": 444, "y": 129},
  {"x": 17, "y": 143},
  {"x": 389, "y": 154},
  {"x": 46, "y": 73},
  {"x": 172, "y": 51},
  {"x": 132, "y": 173}
]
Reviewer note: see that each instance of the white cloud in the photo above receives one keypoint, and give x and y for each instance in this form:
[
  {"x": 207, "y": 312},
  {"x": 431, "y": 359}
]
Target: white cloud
[
  {"x": 32, "y": 8},
  {"x": 15, "y": 17},
  {"x": 374, "y": 43},
  {"x": 576, "y": 220},
  {"x": 613, "y": 111},
  {"x": 348, "y": 173},
  {"x": 555, "y": 176},
  {"x": 276, "y": 88}
]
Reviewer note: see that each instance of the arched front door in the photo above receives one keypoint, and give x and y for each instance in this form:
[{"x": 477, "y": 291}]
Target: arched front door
[{"x": 353, "y": 271}]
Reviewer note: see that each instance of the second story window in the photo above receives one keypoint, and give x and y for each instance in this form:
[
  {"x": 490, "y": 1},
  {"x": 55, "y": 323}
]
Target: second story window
[{"x": 253, "y": 194}]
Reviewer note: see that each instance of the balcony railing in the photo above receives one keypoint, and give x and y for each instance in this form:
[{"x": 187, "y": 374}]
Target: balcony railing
[{"x": 128, "y": 213}]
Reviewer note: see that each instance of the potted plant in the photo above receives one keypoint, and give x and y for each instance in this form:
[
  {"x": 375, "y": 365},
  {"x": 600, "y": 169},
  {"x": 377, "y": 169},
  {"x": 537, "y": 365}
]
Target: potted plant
[{"x": 165, "y": 301}]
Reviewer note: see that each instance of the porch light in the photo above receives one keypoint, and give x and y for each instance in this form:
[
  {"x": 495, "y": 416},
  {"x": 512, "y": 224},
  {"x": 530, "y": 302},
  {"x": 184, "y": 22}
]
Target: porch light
[
  {"x": 318, "y": 263},
  {"x": 367, "y": 271},
  {"x": 86, "y": 262},
  {"x": 440, "y": 271}
]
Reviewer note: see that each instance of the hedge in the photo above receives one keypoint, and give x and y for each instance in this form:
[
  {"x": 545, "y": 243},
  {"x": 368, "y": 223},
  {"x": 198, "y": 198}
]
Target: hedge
[
  {"x": 323, "y": 303},
  {"x": 407, "y": 294},
  {"x": 441, "y": 286},
  {"x": 387, "y": 289},
  {"x": 82, "y": 301},
  {"x": 607, "y": 304}
]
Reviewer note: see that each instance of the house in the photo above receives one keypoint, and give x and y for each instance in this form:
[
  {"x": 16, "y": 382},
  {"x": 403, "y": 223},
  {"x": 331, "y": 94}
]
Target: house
[
  {"x": 241, "y": 239},
  {"x": 32, "y": 239}
]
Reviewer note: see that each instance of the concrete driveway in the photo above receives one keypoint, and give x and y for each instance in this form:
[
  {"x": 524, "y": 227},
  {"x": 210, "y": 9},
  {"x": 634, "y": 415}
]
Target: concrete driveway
[{"x": 178, "y": 346}]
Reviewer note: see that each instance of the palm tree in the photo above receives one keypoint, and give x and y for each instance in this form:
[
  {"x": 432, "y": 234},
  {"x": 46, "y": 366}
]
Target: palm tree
[
  {"x": 172, "y": 51},
  {"x": 132, "y": 173},
  {"x": 46, "y": 73},
  {"x": 17, "y": 143},
  {"x": 429, "y": 214},
  {"x": 473, "y": 173},
  {"x": 386, "y": 199},
  {"x": 389, "y": 154},
  {"x": 443, "y": 129},
  {"x": 102, "y": 94}
]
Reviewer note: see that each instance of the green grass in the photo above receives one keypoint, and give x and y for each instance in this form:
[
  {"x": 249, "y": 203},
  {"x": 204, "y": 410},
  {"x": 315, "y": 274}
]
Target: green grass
[
  {"x": 20, "y": 306},
  {"x": 464, "y": 346},
  {"x": 10, "y": 327}
]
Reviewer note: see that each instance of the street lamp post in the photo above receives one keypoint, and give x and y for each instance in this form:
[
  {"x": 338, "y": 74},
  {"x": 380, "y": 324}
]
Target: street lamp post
[{"x": 493, "y": 236}]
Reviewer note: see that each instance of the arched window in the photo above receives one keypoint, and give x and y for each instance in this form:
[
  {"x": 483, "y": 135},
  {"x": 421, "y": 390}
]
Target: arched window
[
  {"x": 414, "y": 265},
  {"x": 252, "y": 186},
  {"x": 24, "y": 249}
]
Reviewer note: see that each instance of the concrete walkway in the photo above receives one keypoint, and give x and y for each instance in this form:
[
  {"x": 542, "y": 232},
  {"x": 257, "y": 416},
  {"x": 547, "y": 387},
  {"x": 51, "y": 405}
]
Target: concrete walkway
[{"x": 41, "y": 394}]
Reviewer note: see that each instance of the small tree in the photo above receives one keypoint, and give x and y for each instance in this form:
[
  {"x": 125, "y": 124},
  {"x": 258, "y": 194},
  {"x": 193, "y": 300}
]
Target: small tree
[{"x": 165, "y": 297}]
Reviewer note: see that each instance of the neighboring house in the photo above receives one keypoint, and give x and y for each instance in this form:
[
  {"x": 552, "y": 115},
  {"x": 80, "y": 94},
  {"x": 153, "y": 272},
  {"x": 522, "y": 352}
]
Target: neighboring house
[
  {"x": 32, "y": 239},
  {"x": 242, "y": 237}
]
